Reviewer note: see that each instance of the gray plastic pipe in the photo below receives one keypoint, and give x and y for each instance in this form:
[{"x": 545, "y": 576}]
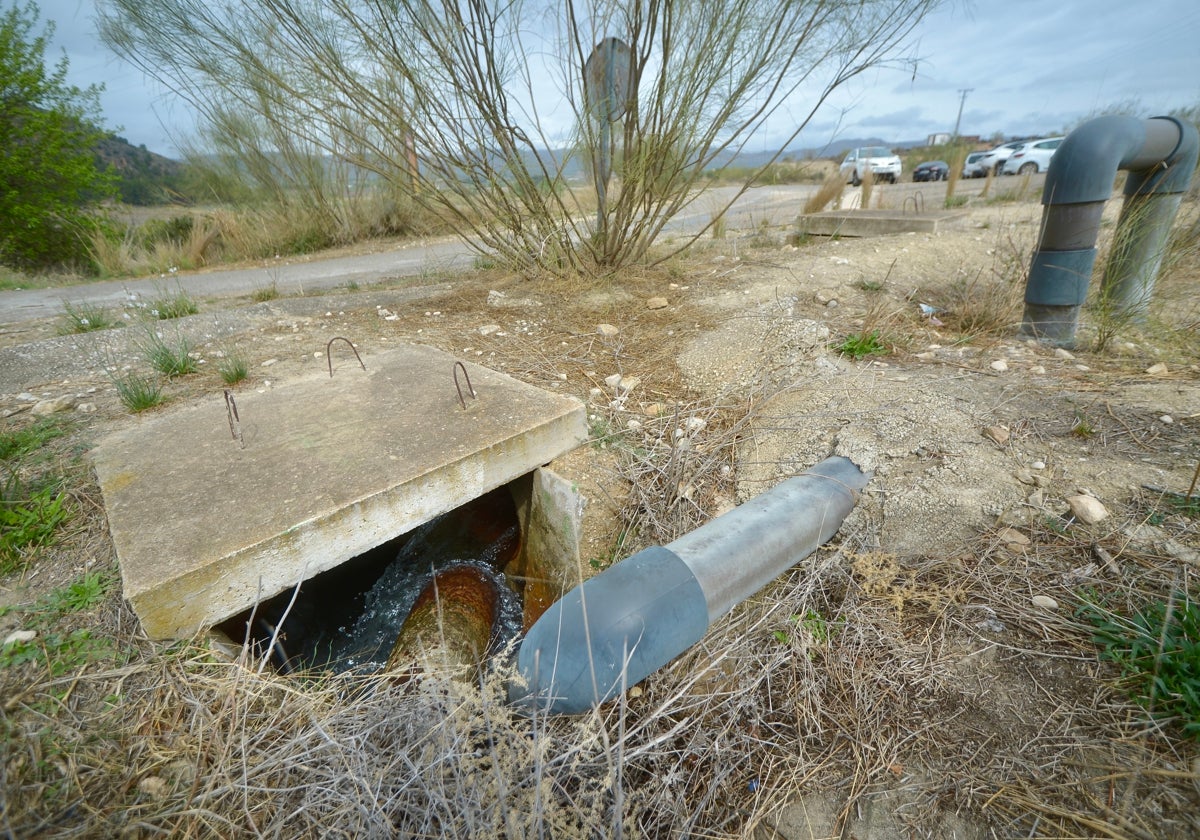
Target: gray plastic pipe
[
  {"x": 1160, "y": 155},
  {"x": 622, "y": 625}
]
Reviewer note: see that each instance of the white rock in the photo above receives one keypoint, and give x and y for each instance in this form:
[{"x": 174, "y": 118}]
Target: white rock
[
  {"x": 86, "y": 408},
  {"x": 43, "y": 408},
  {"x": 613, "y": 382},
  {"x": 1166, "y": 419},
  {"x": 1087, "y": 509},
  {"x": 1038, "y": 369},
  {"x": 1044, "y": 602},
  {"x": 999, "y": 365},
  {"x": 607, "y": 330},
  {"x": 1038, "y": 465},
  {"x": 270, "y": 362},
  {"x": 627, "y": 384},
  {"x": 490, "y": 329},
  {"x": 1063, "y": 353},
  {"x": 657, "y": 303},
  {"x": 20, "y": 636},
  {"x": 695, "y": 424},
  {"x": 1159, "y": 369}
]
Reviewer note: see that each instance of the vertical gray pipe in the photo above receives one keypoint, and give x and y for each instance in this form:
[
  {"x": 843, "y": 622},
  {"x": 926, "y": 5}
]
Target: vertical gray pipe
[
  {"x": 625, "y": 623},
  {"x": 1160, "y": 155}
]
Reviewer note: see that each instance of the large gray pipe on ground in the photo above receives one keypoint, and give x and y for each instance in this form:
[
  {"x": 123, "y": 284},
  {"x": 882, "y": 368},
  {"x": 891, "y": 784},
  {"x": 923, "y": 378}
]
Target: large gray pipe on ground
[
  {"x": 1160, "y": 155},
  {"x": 625, "y": 623}
]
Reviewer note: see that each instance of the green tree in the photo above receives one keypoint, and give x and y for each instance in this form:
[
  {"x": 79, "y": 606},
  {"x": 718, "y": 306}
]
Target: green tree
[{"x": 49, "y": 177}]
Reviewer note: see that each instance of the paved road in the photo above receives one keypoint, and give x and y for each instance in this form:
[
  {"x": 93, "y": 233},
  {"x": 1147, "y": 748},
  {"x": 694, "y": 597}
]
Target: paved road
[
  {"x": 294, "y": 276},
  {"x": 773, "y": 205}
]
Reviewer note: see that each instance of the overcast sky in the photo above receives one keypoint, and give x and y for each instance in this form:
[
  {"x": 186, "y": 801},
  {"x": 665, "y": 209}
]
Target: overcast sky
[{"x": 1031, "y": 67}]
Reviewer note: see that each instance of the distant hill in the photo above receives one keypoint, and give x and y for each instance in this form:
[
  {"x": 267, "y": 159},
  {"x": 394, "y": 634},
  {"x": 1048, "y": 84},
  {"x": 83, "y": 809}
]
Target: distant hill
[{"x": 145, "y": 177}]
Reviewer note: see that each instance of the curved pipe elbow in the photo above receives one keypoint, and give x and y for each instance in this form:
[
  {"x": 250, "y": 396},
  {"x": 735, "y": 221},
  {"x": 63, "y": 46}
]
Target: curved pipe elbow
[{"x": 1159, "y": 153}]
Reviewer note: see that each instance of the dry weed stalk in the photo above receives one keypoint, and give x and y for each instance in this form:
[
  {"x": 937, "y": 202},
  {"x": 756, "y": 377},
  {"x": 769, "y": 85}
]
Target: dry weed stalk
[{"x": 830, "y": 191}]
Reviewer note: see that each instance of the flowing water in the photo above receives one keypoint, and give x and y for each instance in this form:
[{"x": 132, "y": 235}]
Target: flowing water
[{"x": 348, "y": 618}]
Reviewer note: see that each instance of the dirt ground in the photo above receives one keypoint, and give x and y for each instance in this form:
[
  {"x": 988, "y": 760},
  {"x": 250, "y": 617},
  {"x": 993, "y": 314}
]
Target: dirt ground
[{"x": 984, "y": 710}]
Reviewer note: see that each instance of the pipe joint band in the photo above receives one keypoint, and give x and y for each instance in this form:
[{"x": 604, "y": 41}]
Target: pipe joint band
[{"x": 1060, "y": 278}]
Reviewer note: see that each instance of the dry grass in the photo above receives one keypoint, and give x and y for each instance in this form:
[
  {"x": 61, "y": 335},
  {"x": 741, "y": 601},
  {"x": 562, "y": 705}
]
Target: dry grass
[
  {"x": 227, "y": 235},
  {"x": 830, "y": 191},
  {"x": 929, "y": 688},
  {"x": 868, "y": 189},
  {"x": 858, "y": 673}
]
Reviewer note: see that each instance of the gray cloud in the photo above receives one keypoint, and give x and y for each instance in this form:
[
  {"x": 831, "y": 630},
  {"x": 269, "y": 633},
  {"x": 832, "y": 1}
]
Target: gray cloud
[{"x": 1032, "y": 67}]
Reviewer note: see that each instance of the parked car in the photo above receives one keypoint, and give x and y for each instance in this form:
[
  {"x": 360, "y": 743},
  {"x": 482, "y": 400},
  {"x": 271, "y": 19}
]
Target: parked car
[
  {"x": 1032, "y": 158},
  {"x": 877, "y": 160},
  {"x": 973, "y": 166},
  {"x": 994, "y": 159},
  {"x": 931, "y": 170}
]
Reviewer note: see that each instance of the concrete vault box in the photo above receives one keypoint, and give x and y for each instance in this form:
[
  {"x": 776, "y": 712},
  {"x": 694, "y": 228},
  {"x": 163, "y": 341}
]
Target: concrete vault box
[
  {"x": 876, "y": 222},
  {"x": 331, "y": 467}
]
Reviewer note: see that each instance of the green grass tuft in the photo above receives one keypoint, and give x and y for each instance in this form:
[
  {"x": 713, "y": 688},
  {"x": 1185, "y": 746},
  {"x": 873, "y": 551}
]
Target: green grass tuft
[
  {"x": 168, "y": 358},
  {"x": 138, "y": 392},
  {"x": 85, "y": 317},
  {"x": 859, "y": 345},
  {"x": 17, "y": 442},
  {"x": 262, "y": 294},
  {"x": 178, "y": 305},
  {"x": 29, "y": 517},
  {"x": 1158, "y": 651},
  {"x": 232, "y": 367}
]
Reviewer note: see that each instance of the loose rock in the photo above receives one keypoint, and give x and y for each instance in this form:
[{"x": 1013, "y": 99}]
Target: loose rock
[
  {"x": 657, "y": 303},
  {"x": 1013, "y": 539},
  {"x": 1087, "y": 509},
  {"x": 607, "y": 330},
  {"x": 999, "y": 435},
  {"x": 20, "y": 636},
  {"x": 1159, "y": 369},
  {"x": 1044, "y": 602},
  {"x": 43, "y": 408}
]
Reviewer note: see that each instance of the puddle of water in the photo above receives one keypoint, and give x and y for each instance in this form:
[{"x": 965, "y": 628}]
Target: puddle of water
[{"x": 349, "y": 617}]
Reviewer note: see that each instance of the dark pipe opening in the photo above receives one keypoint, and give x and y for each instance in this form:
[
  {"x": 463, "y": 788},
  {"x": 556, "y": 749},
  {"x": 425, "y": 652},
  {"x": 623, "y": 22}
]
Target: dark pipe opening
[{"x": 349, "y": 617}]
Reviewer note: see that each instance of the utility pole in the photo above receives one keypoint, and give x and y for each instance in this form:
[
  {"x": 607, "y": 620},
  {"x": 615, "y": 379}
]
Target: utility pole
[{"x": 962, "y": 101}]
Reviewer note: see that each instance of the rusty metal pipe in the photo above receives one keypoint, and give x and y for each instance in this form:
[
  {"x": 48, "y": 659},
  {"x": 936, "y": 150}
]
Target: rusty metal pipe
[{"x": 452, "y": 623}]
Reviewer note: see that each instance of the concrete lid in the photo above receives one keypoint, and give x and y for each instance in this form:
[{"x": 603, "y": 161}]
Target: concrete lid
[
  {"x": 331, "y": 467},
  {"x": 877, "y": 222}
]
